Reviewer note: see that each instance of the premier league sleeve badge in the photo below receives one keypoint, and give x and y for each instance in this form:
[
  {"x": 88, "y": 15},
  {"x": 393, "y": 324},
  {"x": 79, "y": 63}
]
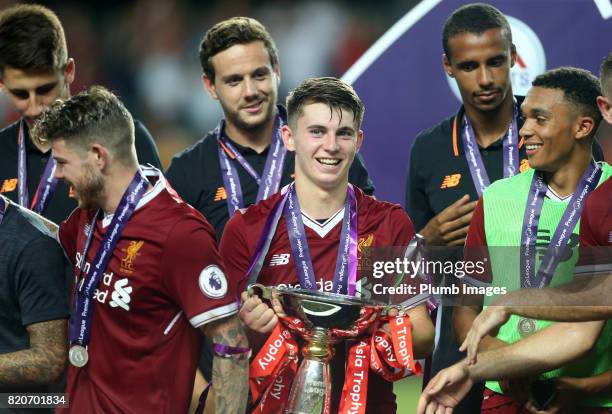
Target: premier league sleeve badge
[{"x": 213, "y": 282}]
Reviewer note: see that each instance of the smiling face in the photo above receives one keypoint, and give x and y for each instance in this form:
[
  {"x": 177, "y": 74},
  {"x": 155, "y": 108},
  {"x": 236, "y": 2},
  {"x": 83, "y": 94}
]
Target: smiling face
[
  {"x": 550, "y": 128},
  {"x": 79, "y": 171},
  {"x": 480, "y": 63},
  {"x": 31, "y": 93},
  {"x": 325, "y": 141},
  {"x": 246, "y": 85}
]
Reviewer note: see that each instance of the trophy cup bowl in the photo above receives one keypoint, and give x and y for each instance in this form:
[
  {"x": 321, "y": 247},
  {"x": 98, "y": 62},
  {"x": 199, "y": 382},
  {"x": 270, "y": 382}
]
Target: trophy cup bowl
[{"x": 328, "y": 318}]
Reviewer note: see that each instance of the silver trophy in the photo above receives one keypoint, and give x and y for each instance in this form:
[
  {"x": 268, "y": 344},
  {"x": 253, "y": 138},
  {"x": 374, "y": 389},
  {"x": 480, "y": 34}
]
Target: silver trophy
[{"x": 328, "y": 319}]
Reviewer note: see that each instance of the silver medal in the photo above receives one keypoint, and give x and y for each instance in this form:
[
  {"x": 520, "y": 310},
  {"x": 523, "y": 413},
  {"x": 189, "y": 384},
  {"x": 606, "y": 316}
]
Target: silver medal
[
  {"x": 78, "y": 356},
  {"x": 526, "y": 327}
]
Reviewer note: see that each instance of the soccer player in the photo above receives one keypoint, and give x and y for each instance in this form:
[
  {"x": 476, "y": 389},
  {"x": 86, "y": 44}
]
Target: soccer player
[
  {"x": 35, "y": 70},
  {"x": 593, "y": 287},
  {"x": 323, "y": 130},
  {"x": 540, "y": 352},
  {"x": 560, "y": 121},
  {"x": 455, "y": 160},
  {"x": 147, "y": 273},
  {"x": 243, "y": 160},
  {"x": 442, "y": 179},
  {"x": 442, "y": 185},
  {"x": 33, "y": 304},
  {"x": 604, "y": 102},
  {"x": 586, "y": 298}
]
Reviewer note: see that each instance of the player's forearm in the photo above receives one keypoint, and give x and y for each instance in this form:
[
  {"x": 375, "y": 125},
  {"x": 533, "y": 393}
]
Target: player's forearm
[
  {"x": 43, "y": 363},
  {"x": 230, "y": 384},
  {"x": 562, "y": 313},
  {"x": 543, "y": 351},
  {"x": 584, "y": 299},
  {"x": 599, "y": 385},
  {"x": 463, "y": 318},
  {"x": 34, "y": 366},
  {"x": 229, "y": 375}
]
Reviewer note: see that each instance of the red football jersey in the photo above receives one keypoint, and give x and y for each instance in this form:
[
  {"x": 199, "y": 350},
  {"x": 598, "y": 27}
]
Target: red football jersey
[
  {"x": 379, "y": 224},
  {"x": 163, "y": 281},
  {"x": 596, "y": 232}
]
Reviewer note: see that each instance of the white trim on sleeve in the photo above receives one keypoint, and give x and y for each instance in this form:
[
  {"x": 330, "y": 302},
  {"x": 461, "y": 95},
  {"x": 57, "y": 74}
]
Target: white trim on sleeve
[
  {"x": 594, "y": 269},
  {"x": 214, "y": 314}
]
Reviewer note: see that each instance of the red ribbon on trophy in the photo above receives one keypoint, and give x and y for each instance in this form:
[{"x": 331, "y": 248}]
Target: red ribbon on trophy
[
  {"x": 272, "y": 371},
  {"x": 273, "y": 368}
]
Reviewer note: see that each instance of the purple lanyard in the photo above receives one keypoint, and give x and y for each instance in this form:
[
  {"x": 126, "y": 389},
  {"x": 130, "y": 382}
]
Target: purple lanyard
[
  {"x": 474, "y": 159},
  {"x": 272, "y": 173},
  {"x": 2, "y": 208},
  {"x": 347, "y": 251},
  {"x": 80, "y": 320},
  {"x": 265, "y": 239},
  {"x": 565, "y": 228},
  {"x": 46, "y": 186}
]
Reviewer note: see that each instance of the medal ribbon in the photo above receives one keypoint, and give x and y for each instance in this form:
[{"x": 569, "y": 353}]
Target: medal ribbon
[
  {"x": 47, "y": 184},
  {"x": 273, "y": 369},
  {"x": 2, "y": 208},
  {"x": 474, "y": 159},
  {"x": 345, "y": 275},
  {"x": 265, "y": 239},
  {"x": 565, "y": 228},
  {"x": 80, "y": 320},
  {"x": 272, "y": 173}
]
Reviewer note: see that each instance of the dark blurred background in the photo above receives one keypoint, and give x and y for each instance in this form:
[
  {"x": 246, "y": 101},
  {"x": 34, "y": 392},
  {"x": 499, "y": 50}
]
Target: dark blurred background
[{"x": 147, "y": 51}]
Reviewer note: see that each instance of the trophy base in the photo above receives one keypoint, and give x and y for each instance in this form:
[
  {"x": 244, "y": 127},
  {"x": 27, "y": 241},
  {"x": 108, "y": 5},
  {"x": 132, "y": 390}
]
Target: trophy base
[{"x": 308, "y": 391}]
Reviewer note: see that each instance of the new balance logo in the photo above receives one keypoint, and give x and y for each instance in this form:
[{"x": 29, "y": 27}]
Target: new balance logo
[
  {"x": 121, "y": 294},
  {"x": 451, "y": 181},
  {"x": 220, "y": 194},
  {"x": 279, "y": 259}
]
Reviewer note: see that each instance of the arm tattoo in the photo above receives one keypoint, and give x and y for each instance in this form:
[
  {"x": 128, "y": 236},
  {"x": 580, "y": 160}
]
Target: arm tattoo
[
  {"x": 42, "y": 363},
  {"x": 229, "y": 376}
]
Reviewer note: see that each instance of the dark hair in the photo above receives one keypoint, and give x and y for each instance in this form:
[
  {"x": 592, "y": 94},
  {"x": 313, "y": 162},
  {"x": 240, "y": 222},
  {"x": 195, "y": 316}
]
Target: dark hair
[
  {"x": 95, "y": 116},
  {"x": 31, "y": 39},
  {"x": 230, "y": 32},
  {"x": 580, "y": 88},
  {"x": 605, "y": 76},
  {"x": 333, "y": 92},
  {"x": 474, "y": 18}
]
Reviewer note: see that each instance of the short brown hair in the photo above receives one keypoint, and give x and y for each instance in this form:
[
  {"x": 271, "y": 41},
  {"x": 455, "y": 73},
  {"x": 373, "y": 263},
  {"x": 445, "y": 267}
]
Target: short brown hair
[
  {"x": 333, "y": 92},
  {"x": 230, "y": 32},
  {"x": 95, "y": 116},
  {"x": 31, "y": 39}
]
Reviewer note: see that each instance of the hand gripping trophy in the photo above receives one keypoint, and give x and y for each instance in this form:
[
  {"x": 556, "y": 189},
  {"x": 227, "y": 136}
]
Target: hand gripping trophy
[{"x": 322, "y": 320}]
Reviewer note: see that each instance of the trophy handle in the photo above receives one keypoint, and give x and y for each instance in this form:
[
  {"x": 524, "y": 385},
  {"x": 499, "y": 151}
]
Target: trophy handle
[
  {"x": 395, "y": 310},
  {"x": 257, "y": 289}
]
